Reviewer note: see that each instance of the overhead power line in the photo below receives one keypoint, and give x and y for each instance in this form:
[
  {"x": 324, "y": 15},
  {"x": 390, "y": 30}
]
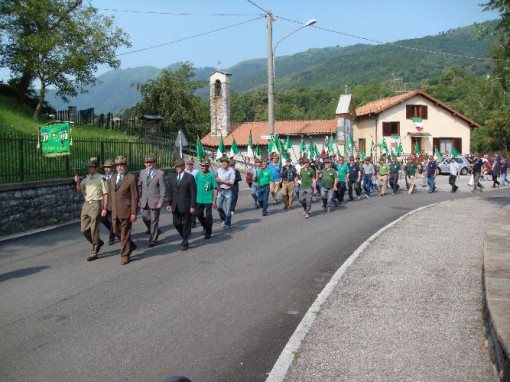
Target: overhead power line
[
  {"x": 175, "y": 13},
  {"x": 190, "y": 37},
  {"x": 391, "y": 43}
]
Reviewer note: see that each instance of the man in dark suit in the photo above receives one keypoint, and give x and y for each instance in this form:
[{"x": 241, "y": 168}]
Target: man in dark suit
[
  {"x": 152, "y": 191},
  {"x": 182, "y": 201},
  {"x": 124, "y": 195}
]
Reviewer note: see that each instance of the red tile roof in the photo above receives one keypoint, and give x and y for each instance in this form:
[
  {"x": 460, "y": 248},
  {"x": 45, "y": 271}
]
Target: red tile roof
[
  {"x": 378, "y": 106},
  {"x": 241, "y": 131}
]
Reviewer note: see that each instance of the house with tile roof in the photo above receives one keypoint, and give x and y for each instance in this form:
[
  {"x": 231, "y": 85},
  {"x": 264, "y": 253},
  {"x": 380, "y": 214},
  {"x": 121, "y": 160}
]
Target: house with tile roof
[
  {"x": 409, "y": 119},
  {"x": 413, "y": 118}
]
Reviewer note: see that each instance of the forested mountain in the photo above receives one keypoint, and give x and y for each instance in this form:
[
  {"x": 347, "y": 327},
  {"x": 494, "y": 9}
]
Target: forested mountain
[{"x": 328, "y": 68}]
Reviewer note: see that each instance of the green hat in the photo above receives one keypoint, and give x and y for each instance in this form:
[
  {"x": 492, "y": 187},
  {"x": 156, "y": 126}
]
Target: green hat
[
  {"x": 204, "y": 162},
  {"x": 224, "y": 158},
  {"x": 178, "y": 162},
  {"x": 150, "y": 158},
  {"x": 93, "y": 162},
  {"x": 327, "y": 160},
  {"x": 109, "y": 163},
  {"x": 120, "y": 159}
]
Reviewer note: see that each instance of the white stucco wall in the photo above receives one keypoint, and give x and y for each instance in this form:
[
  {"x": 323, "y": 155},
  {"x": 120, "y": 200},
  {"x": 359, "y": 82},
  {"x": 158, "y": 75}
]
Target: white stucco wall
[{"x": 440, "y": 123}]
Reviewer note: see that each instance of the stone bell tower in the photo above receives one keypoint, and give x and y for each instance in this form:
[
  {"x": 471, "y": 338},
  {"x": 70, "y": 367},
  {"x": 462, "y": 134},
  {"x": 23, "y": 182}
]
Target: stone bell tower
[{"x": 219, "y": 84}]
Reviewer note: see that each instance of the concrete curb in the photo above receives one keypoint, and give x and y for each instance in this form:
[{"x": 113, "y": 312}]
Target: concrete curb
[
  {"x": 283, "y": 363},
  {"x": 496, "y": 281}
]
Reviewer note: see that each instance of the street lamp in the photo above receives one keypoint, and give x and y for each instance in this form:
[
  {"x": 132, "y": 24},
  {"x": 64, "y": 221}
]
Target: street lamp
[{"x": 270, "y": 66}]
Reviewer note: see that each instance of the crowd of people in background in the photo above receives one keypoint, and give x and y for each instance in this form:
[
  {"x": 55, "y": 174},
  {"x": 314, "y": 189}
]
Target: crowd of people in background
[{"x": 116, "y": 197}]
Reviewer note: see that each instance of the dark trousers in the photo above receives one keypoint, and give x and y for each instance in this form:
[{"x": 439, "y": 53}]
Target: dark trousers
[
  {"x": 495, "y": 182},
  {"x": 452, "y": 180},
  {"x": 235, "y": 196},
  {"x": 182, "y": 223},
  {"x": 150, "y": 217},
  {"x": 263, "y": 197},
  {"x": 340, "y": 193},
  {"x": 107, "y": 222},
  {"x": 207, "y": 220},
  {"x": 357, "y": 188},
  {"x": 394, "y": 182}
]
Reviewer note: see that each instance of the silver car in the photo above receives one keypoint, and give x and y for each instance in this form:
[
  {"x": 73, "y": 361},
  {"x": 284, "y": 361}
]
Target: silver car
[{"x": 444, "y": 166}]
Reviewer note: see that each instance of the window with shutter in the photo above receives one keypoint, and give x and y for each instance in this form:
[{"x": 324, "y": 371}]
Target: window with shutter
[{"x": 416, "y": 111}]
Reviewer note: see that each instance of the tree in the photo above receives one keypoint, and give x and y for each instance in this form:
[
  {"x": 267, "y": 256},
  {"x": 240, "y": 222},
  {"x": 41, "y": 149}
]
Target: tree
[
  {"x": 171, "y": 95},
  {"x": 58, "y": 43}
]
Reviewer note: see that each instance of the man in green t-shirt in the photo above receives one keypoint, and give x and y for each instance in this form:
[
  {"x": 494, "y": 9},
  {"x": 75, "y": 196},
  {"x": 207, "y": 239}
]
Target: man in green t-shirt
[
  {"x": 308, "y": 180},
  {"x": 329, "y": 179},
  {"x": 342, "y": 170},
  {"x": 266, "y": 181},
  {"x": 411, "y": 170},
  {"x": 382, "y": 175},
  {"x": 207, "y": 193}
]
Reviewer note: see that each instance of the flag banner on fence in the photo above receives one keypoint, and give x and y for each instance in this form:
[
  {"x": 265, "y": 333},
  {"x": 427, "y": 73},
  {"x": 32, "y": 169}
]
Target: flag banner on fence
[{"x": 55, "y": 140}]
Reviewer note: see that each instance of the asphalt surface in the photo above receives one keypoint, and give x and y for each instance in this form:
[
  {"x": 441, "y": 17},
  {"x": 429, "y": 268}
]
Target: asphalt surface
[{"x": 222, "y": 311}]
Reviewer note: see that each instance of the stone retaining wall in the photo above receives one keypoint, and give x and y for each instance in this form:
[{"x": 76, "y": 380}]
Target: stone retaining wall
[{"x": 31, "y": 205}]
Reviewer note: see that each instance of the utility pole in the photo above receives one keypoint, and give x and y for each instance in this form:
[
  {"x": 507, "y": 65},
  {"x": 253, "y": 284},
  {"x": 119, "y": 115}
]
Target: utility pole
[{"x": 270, "y": 74}]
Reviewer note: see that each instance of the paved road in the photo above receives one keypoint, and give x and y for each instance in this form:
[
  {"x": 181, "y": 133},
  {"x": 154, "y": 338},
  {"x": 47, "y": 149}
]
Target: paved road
[{"x": 219, "y": 312}]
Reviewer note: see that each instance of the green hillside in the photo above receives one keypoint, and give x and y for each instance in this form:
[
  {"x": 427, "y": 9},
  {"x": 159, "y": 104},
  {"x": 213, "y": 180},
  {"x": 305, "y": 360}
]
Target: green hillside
[{"x": 325, "y": 68}]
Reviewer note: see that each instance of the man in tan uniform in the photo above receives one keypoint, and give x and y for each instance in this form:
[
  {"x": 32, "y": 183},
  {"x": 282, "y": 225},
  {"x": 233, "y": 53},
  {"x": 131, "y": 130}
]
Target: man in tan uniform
[
  {"x": 95, "y": 190},
  {"x": 124, "y": 194}
]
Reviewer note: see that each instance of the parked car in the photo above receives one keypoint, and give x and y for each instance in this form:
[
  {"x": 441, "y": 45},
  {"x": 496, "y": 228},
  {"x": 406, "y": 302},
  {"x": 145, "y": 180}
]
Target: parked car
[{"x": 444, "y": 166}]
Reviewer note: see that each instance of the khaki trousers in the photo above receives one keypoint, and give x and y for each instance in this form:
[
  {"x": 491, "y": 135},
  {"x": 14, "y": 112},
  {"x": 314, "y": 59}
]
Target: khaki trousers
[
  {"x": 276, "y": 188},
  {"x": 287, "y": 192},
  {"x": 89, "y": 223},
  {"x": 381, "y": 182},
  {"x": 410, "y": 183}
]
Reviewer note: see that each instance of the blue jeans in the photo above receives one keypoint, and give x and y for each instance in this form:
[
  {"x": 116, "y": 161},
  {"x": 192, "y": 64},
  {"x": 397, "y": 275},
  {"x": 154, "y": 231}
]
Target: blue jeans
[
  {"x": 225, "y": 198},
  {"x": 432, "y": 183},
  {"x": 263, "y": 197},
  {"x": 367, "y": 183},
  {"x": 504, "y": 180}
]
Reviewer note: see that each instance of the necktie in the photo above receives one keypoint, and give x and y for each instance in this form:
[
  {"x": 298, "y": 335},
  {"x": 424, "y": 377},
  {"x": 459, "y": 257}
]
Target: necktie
[
  {"x": 179, "y": 179},
  {"x": 119, "y": 178},
  {"x": 149, "y": 174}
]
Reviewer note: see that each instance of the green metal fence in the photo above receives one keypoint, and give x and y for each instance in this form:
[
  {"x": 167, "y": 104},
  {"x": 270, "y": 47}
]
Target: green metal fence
[{"x": 22, "y": 161}]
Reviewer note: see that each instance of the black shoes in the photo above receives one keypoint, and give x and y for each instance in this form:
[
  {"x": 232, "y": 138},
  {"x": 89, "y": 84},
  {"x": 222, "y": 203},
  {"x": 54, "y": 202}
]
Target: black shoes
[
  {"x": 184, "y": 247},
  {"x": 152, "y": 244},
  {"x": 92, "y": 258},
  {"x": 207, "y": 236}
]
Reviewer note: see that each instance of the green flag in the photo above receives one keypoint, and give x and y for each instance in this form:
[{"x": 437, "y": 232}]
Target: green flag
[
  {"x": 416, "y": 148},
  {"x": 250, "y": 146},
  {"x": 437, "y": 153},
  {"x": 288, "y": 144},
  {"x": 384, "y": 146},
  {"x": 200, "y": 149},
  {"x": 455, "y": 153},
  {"x": 55, "y": 140},
  {"x": 350, "y": 144},
  {"x": 258, "y": 152},
  {"x": 311, "y": 150},
  {"x": 302, "y": 146},
  {"x": 363, "y": 156},
  {"x": 331, "y": 147},
  {"x": 234, "y": 150},
  {"x": 372, "y": 146},
  {"x": 221, "y": 148},
  {"x": 270, "y": 146}
]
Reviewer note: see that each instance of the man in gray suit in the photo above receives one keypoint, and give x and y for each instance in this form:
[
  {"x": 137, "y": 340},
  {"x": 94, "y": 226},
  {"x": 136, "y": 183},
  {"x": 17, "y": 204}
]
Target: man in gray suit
[{"x": 152, "y": 191}]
